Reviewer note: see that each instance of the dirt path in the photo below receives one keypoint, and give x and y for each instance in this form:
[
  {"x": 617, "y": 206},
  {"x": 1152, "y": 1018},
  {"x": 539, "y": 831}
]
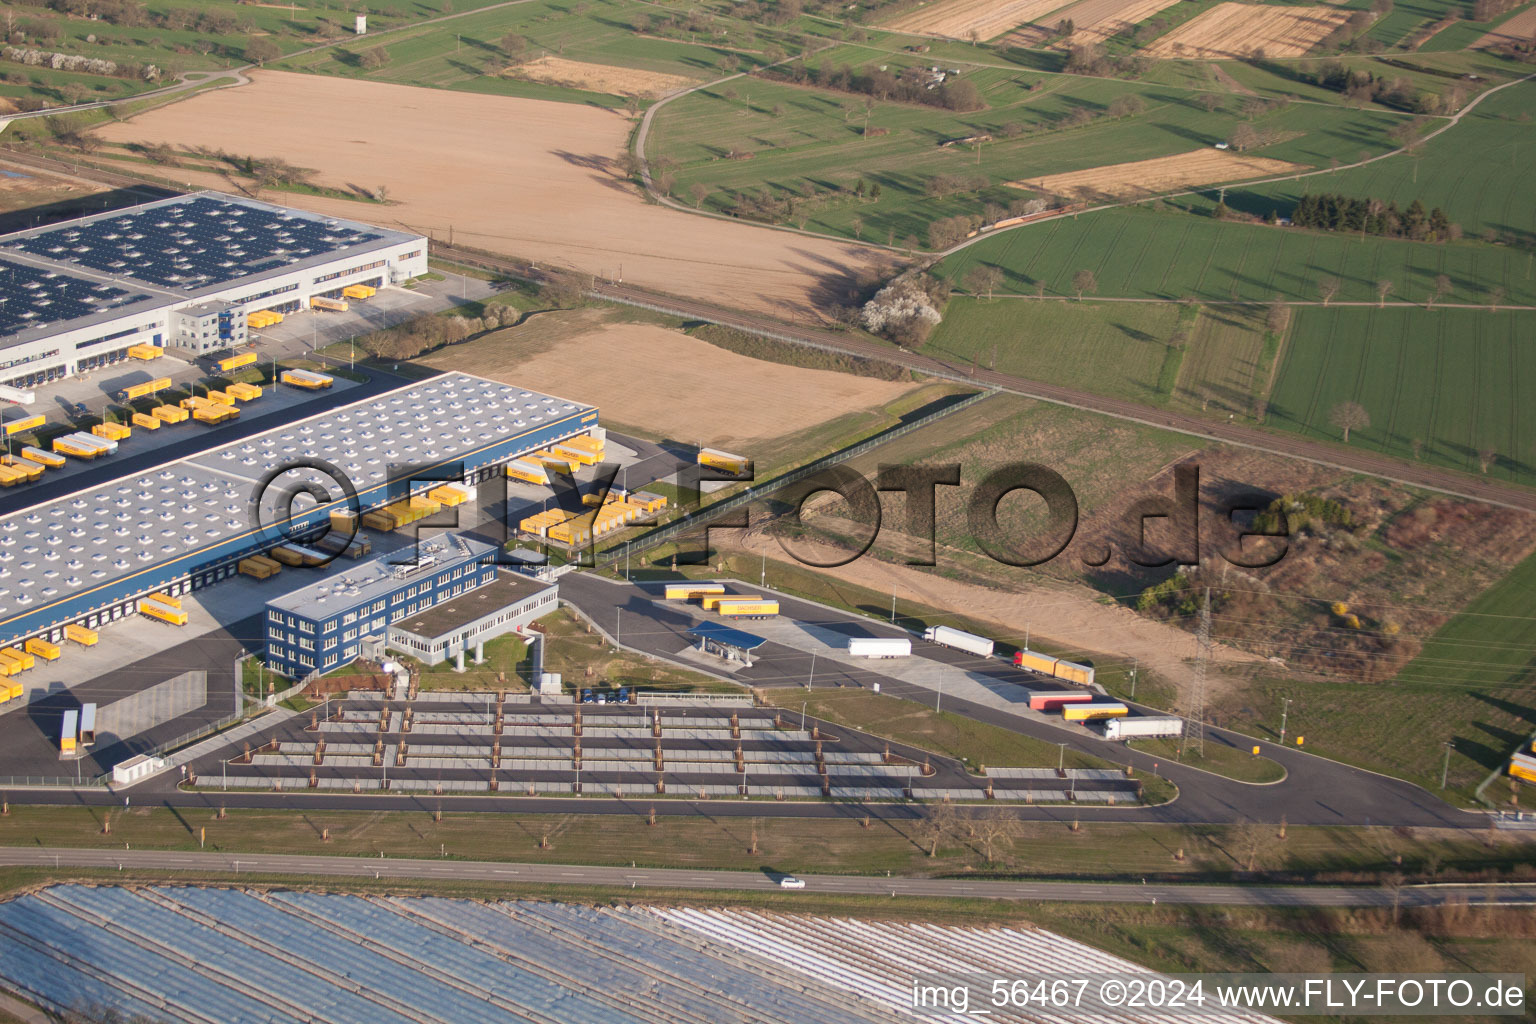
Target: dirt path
[
  {"x": 531, "y": 178},
  {"x": 1069, "y": 616}
]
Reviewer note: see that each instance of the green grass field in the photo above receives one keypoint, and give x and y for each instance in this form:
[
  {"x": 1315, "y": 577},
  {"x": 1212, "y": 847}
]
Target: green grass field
[
  {"x": 1113, "y": 348},
  {"x": 1139, "y": 253},
  {"x": 1453, "y": 380},
  {"x": 466, "y": 53},
  {"x": 1489, "y": 644},
  {"x": 809, "y": 143},
  {"x": 1482, "y": 194},
  {"x": 1228, "y": 365}
]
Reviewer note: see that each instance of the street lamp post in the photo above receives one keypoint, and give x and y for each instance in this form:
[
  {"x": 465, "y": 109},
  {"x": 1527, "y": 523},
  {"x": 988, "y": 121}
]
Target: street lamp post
[
  {"x": 810, "y": 678},
  {"x": 1445, "y": 769}
]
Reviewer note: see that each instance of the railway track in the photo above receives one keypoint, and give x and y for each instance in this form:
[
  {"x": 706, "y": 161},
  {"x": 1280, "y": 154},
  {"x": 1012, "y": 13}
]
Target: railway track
[{"x": 1241, "y": 435}]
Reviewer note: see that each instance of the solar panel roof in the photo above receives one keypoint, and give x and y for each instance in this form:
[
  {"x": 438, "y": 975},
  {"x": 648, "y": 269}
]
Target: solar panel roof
[
  {"x": 193, "y": 242},
  {"x": 64, "y": 547},
  {"x": 36, "y": 296}
]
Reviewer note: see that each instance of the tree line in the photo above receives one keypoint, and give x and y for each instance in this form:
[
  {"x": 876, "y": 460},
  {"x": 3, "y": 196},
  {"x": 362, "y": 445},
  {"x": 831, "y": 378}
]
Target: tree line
[{"x": 1332, "y": 212}]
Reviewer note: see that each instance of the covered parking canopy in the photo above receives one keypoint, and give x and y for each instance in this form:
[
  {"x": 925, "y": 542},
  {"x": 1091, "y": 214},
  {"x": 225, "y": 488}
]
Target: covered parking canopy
[{"x": 726, "y": 641}]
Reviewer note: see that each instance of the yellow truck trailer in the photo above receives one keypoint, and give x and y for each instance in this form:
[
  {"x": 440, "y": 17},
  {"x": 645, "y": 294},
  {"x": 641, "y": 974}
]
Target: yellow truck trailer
[
  {"x": 145, "y": 352},
  {"x": 359, "y": 291},
  {"x": 147, "y": 422},
  {"x": 235, "y": 362},
  {"x": 726, "y": 462},
  {"x": 17, "y": 426},
  {"x": 220, "y": 397},
  {"x": 1035, "y": 662},
  {"x": 747, "y": 607},
  {"x": 333, "y": 305},
  {"x": 306, "y": 379},
  {"x": 26, "y": 660},
  {"x": 43, "y": 649},
  {"x": 691, "y": 591},
  {"x": 243, "y": 392},
  {"x": 165, "y": 613},
  {"x": 80, "y": 635},
  {"x": 448, "y": 495},
  {"x": 113, "y": 431},
  {"x": 1090, "y": 710},
  {"x": 1072, "y": 672},
  {"x": 30, "y": 470},
  {"x": 42, "y": 458},
  {"x": 171, "y": 414},
  {"x": 528, "y": 471},
  {"x": 149, "y": 387}
]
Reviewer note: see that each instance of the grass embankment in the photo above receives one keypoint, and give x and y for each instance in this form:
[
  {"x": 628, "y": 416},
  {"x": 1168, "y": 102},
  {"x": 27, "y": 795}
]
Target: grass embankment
[
  {"x": 1473, "y": 685},
  {"x": 583, "y": 659},
  {"x": 1230, "y": 762},
  {"x": 1035, "y": 849}
]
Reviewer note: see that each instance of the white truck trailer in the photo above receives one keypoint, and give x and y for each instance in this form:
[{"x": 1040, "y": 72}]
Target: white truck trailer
[
  {"x": 948, "y": 636},
  {"x": 1143, "y": 728},
  {"x": 879, "y": 647}
]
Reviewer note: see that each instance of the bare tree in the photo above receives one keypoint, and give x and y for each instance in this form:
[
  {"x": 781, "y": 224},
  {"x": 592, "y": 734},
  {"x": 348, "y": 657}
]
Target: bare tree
[
  {"x": 1349, "y": 416},
  {"x": 983, "y": 278},
  {"x": 1327, "y": 287},
  {"x": 992, "y": 833},
  {"x": 938, "y": 824},
  {"x": 1495, "y": 297},
  {"x": 381, "y": 193},
  {"x": 1383, "y": 289},
  {"x": 1244, "y": 138},
  {"x": 856, "y": 225},
  {"x": 1279, "y": 317},
  {"x": 1084, "y": 281},
  {"x": 1248, "y": 840},
  {"x": 1486, "y": 457},
  {"x": 1442, "y": 289},
  {"x": 259, "y": 50},
  {"x": 700, "y": 192}
]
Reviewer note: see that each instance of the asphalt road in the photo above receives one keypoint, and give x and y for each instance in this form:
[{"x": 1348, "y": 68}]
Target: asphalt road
[
  {"x": 762, "y": 881},
  {"x": 1316, "y": 791}
]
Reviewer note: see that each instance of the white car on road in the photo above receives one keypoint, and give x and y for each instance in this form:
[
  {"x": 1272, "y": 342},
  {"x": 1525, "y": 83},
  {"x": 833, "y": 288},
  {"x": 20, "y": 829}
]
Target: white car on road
[{"x": 791, "y": 882}]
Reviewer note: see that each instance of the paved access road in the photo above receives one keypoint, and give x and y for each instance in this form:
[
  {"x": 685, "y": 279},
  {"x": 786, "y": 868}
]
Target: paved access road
[
  {"x": 767, "y": 879},
  {"x": 1316, "y": 791}
]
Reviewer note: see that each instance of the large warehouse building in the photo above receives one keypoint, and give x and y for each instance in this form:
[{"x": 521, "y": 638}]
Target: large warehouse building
[
  {"x": 182, "y": 272},
  {"x": 88, "y": 557}
]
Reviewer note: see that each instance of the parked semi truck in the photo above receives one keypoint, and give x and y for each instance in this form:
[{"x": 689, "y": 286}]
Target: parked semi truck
[
  {"x": 879, "y": 647},
  {"x": 1056, "y": 668},
  {"x": 1145, "y": 727},
  {"x": 948, "y": 636}
]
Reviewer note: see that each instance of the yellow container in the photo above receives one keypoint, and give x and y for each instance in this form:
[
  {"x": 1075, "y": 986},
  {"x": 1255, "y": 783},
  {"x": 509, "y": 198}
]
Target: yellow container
[
  {"x": 146, "y": 352},
  {"x": 747, "y": 607},
  {"x": 235, "y": 362},
  {"x": 80, "y": 635},
  {"x": 112, "y": 431},
  {"x": 170, "y": 414},
  {"x": 147, "y": 422},
  {"x": 156, "y": 610}
]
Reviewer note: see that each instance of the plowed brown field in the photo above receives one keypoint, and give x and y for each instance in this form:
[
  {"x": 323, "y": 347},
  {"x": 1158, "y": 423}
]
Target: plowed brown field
[
  {"x": 1519, "y": 29},
  {"x": 957, "y": 19},
  {"x": 527, "y": 178},
  {"x": 1160, "y": 174},
  {"x": 1093, "y": 21},
  {"x": 1243, "y": 30},
  {"x": 599, "y": 77}
]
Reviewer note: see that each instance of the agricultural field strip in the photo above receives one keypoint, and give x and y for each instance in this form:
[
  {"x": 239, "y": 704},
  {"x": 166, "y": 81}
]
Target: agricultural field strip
[
  {"x": 957, "y": 18},
  {"x": 1450, "y": 123},
  {"x": 1231, "y": 30},
  {"x": 1141, "y": 177}
]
